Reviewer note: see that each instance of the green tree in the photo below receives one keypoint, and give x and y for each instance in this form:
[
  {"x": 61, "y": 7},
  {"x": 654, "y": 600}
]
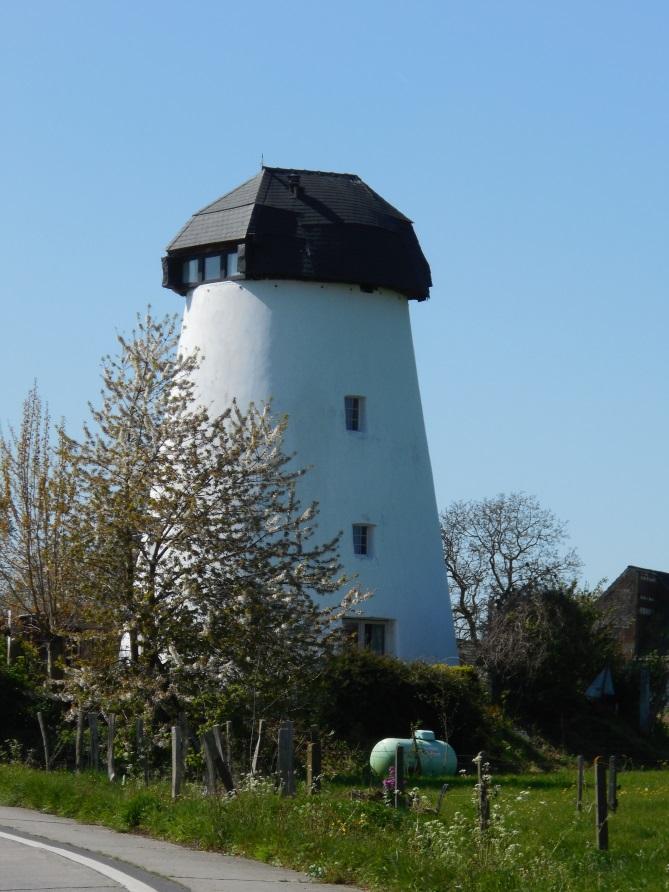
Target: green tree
[{"x": 543, "y": 648}]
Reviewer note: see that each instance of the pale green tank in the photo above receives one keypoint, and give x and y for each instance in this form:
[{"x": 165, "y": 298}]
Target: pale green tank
[{"x": 435, "y": 756}]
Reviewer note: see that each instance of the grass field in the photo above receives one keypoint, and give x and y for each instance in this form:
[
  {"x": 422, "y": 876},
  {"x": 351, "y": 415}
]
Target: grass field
[{"x": 537, "y": 840}]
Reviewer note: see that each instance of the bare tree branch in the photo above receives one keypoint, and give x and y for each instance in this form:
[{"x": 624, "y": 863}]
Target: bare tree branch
[{"x": 497, "y": 548}]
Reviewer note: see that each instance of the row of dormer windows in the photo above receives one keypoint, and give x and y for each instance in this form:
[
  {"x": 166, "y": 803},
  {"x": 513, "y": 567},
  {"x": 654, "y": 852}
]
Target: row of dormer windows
[{"x": 209, "y": 268}]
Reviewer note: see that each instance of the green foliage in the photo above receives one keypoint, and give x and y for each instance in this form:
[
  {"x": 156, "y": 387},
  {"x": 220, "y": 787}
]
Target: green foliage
[
  {"x": 16, "y": 707},
  {"x": 628, "y": 682},
  {"x": 22, "y": 695},
  {"x": 542, "y": 651},
  {"x": 363, "y": 697}
]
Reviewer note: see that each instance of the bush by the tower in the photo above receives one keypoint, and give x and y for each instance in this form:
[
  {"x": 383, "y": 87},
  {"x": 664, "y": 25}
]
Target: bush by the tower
[{"x": 362, "y": 697}]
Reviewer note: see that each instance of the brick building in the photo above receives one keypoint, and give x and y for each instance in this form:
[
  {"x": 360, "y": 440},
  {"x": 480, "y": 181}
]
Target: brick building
[{"x": 638, "y": 601}]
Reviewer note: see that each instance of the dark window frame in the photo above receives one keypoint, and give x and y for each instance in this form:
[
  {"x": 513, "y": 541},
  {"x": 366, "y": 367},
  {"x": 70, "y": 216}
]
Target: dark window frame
[
  {"x": 362, "y": 539},
  {"x": 189, "y": 260},
  {"x": 354, "y": 413},
  {"x": 369, "y": 633},
  {"x": 368, "y": 636},
  {"x": 223, "y": 253},
  {"x": 222, "y": 269}
]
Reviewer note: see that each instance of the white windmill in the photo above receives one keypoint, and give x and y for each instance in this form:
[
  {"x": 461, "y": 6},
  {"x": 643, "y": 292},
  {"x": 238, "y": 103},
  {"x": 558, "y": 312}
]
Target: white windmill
[{"x": 297, "y": 287}]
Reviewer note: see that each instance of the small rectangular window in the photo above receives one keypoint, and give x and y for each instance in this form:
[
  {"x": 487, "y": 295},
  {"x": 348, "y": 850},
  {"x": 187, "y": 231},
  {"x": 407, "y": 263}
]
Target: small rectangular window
[
  {"x": 361, "y": 539},
  {"x": 232, "y": 263},
  {"x": 212, "y": 268},
  {"x": 375, "y": 637},
  {"x": 368, "y": 634},
  {"x": 191, "y": 271},
  {"x": 354, "y": 406}
]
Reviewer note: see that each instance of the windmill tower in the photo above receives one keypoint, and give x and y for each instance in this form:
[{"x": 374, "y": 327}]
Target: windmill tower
[{"x": 297, "y": 287}]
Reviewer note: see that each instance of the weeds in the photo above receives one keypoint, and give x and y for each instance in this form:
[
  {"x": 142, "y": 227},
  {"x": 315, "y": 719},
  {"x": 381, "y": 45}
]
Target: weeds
[{"x": 535, "y": 839}]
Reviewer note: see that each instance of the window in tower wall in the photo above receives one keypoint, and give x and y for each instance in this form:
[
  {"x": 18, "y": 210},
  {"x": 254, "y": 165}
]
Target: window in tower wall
[
  {"x": 354, "y": 407},
  {"x": 374, "y": 635},
  {"x": 362, "y": 539}
]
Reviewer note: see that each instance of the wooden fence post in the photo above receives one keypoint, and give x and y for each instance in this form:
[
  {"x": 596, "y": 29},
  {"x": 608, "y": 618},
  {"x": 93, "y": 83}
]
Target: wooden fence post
[
  {"x": 580, "y": 769},
  {"x": 177, "y": 761},
  {"x": 111, "y": 731},
  {"x": 209, "y": 750},
  {"x": 286, "y": 759},
  {"x": 613, "y": 784},
  {"x": 442, "y": 793},
  {"x": 256, "y": 753},
  {"x": 79, "y": 741},
  {"x": 45, "y": 742},
  {"x": 399, "y": 775},
  {"x": 483, "y": 793},
  {"x": 601, "y": 819},
  {"x": 94, "y": 747},
  {"x": 225, "y": 768},
  {"x": 314, "y": 761},
  {"x": 228, "y": 744}
]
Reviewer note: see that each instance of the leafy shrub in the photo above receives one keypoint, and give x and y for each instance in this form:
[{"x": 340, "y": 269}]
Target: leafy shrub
[
  {"x": 21, "y": 696},
  {"x": 363, "y": 697}
]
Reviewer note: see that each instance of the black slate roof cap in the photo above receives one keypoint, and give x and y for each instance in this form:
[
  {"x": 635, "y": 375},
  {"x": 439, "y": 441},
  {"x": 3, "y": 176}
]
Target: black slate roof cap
[{"x": 309, "y": 225}]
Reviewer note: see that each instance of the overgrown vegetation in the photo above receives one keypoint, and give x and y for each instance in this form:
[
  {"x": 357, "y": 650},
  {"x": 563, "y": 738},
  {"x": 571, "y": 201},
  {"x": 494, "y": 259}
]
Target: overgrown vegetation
[
  {"x": 355, "y": 698},
  {"x": 537, "y": 839}
]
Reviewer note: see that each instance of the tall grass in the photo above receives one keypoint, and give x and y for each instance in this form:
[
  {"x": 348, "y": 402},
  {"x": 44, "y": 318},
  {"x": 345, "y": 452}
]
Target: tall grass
[{"x": 537, "y": 841}]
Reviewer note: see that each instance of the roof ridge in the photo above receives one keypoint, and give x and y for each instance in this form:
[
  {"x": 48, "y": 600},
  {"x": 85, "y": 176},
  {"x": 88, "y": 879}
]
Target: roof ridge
[
  {"x": 321, "y": 173},
  {"x": 257, "y": 176},
  {"x": 232, "y": 207},
  {"x": 646, "y": 569}
]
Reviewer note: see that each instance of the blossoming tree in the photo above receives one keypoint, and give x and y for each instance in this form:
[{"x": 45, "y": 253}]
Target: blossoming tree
[{"x": 198, "y": 565}]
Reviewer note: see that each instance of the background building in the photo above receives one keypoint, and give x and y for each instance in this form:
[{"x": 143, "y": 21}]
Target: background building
[{"x": 638, "y": 601}]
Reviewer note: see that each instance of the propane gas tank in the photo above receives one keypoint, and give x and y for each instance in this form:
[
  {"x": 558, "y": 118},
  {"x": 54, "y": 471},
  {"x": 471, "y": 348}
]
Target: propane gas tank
[{"x": 435, "y": 756}]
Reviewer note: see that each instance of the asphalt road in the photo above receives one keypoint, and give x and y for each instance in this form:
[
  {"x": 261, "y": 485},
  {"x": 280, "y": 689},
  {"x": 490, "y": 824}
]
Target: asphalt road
[
  {"x": 21, "y": 869},
  {"x": 44, "y": 853}
]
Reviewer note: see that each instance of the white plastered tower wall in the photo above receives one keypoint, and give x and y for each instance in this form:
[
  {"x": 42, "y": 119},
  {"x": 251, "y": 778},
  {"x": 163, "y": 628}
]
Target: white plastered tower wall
[{"x": 306, "y": 346}]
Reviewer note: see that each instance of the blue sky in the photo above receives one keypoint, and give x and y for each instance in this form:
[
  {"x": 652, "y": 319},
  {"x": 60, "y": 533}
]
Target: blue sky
[{"x": 528, "y": 141}]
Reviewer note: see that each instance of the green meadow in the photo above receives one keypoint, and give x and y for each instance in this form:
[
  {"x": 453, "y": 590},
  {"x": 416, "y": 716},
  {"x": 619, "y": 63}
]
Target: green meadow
[{"x": 537, "y": 839}]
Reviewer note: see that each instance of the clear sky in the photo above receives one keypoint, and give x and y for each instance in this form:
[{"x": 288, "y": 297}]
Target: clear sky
[{"x": 528, "y": 141}]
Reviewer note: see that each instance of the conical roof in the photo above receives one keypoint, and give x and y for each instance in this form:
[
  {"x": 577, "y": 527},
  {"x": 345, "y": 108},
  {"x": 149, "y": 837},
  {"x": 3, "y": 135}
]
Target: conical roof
[{"x": 308, "y": 225}]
